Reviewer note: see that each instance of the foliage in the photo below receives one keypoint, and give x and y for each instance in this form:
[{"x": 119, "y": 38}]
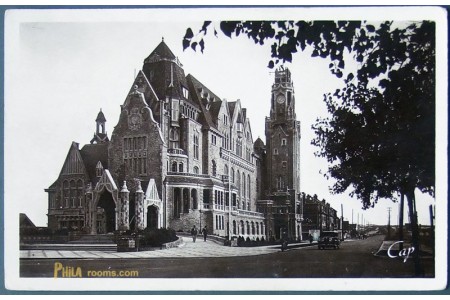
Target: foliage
[
  {"x": 380, "y": 136},
  {"x": 380, "y": 140},
  {"x": 372, "y": 130},
  {"x": 156, "y": 237}
]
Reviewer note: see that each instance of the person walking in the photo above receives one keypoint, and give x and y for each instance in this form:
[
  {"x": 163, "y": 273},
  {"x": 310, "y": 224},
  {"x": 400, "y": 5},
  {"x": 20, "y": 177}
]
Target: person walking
[
  {"x": 205, "y": 233},
  {"x": 194, "y": 233}
]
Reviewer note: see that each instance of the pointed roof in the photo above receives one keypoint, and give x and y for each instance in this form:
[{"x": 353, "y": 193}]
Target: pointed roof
[
  {"x": 162, "y": 51},
  {"x": 209, "y": 110},
  {"x": 100, "y": 117},
  {"x": 259, "y": 143},
  {"x": 91, "y": 155},
  {"x": 25, "y": 221}
]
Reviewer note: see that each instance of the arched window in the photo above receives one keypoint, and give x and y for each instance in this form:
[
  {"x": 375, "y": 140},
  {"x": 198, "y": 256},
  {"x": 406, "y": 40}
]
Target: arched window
[
  {"x": 194, "y": 199},
  {"x": 249, "y": 186},
  {"x": 248, "y": 228},
  {"x": 242, "y": 227},
  {"x": 253, "y": 228},
  {"x": 238, "y": 184},
  {"x": 243, "y": 186},
  {"x": 174, "y": 166},
  {"x": 262, "y": 228},
  {"x": 232, "y": 175},
  {"x": 196, "y": 147},
  {"x": 180, "y": 167},
  {"x": 196, "y": 171},
  {"x": 234, "y": 226},
  {"x": 257, "y": 228},
  {"x": 225, "y": 169}
]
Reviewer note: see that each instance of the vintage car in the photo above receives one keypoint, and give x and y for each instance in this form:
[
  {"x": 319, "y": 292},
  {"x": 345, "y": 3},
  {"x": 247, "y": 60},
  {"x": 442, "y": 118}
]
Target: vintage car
[{"x": 329, "y": 239}]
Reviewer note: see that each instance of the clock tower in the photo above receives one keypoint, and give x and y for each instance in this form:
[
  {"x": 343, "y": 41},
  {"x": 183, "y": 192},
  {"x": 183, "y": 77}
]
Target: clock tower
[{"x": 283, "y": 158}]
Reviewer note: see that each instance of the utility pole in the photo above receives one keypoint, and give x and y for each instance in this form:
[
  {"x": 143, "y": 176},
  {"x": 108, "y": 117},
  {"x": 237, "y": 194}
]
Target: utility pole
[
  {"x": 389, "y": 222},
  {"x": 400, "y": 220}
]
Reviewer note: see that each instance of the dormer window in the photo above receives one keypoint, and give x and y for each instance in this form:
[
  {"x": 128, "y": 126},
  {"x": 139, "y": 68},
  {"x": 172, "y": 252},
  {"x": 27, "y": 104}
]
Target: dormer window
[
  {"x": 185, "y": 92},
  {"x": 99, "y": 169}
]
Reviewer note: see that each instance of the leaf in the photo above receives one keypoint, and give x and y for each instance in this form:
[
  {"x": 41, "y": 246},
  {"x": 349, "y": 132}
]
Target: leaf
[
  {"x": 271, "y": 64},
  {"x": 189, "y": 34},
  {"x": 350, "y": 76},
  {"x": 202, "y": 45},
  {"x": 205, "y": 26},
  {"x": 370, "y": 28},
  {"x": 194, "y": 45},
  {"x": 186, "y": 44}
]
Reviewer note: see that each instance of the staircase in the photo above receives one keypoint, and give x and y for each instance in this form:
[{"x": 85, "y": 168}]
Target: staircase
[
  {"x": 86, "y": 242},
  {"x": 94, "y": 239}
]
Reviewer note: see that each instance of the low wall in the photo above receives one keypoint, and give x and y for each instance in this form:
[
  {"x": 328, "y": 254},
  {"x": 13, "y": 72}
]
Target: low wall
[{"x": 173, "y": 244}]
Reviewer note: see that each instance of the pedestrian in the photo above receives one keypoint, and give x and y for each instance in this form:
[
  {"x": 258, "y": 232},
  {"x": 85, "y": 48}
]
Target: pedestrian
[
  {"x": 310, "y": 238},
  {"x": 205, "y": 233},
  {"x": 194, "y": 233}
]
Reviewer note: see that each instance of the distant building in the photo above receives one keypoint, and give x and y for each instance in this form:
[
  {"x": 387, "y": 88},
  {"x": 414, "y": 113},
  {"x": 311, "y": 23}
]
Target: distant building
[
  {"x": 319, "y": 215},
  {"x": 181, "y": 156}
]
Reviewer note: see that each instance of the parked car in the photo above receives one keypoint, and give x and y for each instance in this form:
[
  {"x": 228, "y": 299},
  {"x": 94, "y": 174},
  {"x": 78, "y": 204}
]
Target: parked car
[{"x": 329, "y": 239}]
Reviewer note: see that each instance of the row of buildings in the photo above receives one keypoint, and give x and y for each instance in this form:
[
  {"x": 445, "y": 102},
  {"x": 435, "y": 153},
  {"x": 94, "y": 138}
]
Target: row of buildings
[{"x": 180, "y": 156}]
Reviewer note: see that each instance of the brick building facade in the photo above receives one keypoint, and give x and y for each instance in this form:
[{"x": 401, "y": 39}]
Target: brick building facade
[{"x": 179, "y": 156}]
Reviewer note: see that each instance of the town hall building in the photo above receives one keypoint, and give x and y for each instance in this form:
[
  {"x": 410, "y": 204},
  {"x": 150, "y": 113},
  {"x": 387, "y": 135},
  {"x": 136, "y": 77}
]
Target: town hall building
[{"x": 181, "y": 156}]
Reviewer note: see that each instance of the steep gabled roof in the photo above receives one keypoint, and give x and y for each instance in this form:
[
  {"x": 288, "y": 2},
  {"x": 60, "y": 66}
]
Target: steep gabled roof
[
  {"x": 100, "y": 117},
  {"x": 209, "y": 110},
  {"x": 161, "y": 51},
  {"x": 92, "y": 154}
]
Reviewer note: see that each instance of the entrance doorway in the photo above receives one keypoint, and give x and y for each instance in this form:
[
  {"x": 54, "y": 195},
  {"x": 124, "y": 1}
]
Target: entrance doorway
[
  {"x": 108, "y": 211},
  {"x": 152, "y": 217}
]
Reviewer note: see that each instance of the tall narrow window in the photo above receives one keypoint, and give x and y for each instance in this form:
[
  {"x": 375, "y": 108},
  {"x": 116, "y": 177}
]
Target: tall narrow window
[
  {"x": 196, "y": 146},
  {"x": 214, "y": 168},
  {"x": 175, "y": 109}
]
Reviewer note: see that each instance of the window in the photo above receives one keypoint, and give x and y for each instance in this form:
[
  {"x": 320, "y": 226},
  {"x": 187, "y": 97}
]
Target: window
[
  {"x": 248, "y": 184},
  {"x": 185, "y": 92},
  {"x": 284, "y": 163},
  {"x": 283, "y": 142},
  {"x": 66, "y": 193},
  {"x": 180, "y": 167},
  {"x": 225, "y": 170},
  {"x": 196, "y": 171},
  {"x": 275, "y": 151},
  {"x": 175, "y": 109},
  {"x": 214, "y": 168},
  {"x": 174, "y": 166},
  {"x": 80, "y": 192},
  {"x": 280, "y": 183},
  {"x": 196, "y": 148}
]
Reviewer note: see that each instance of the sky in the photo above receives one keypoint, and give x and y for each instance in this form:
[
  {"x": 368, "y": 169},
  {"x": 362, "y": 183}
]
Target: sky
[{"x": 63, "y": 66}]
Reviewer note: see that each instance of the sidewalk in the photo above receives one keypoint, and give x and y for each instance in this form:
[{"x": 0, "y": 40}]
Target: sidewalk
[{"x": 187, "y": 249}]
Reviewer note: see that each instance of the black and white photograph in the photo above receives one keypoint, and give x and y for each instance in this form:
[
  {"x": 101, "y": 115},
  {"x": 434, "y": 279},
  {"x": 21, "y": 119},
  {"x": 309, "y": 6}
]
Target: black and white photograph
[{"x": 267, "y": 149}]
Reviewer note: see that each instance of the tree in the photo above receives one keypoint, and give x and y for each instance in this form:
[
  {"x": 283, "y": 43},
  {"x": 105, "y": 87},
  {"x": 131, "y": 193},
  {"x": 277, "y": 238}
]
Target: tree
[{"x": 380, "y": 137}]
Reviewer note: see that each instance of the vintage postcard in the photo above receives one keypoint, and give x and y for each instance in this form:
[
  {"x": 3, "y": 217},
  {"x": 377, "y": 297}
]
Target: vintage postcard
[{"x": 226, "y": 149}]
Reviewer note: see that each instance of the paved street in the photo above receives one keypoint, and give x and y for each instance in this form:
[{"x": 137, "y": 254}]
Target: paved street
[
  {"x": 208, "y": 260},
  {"x": 187, "y": 249}
]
